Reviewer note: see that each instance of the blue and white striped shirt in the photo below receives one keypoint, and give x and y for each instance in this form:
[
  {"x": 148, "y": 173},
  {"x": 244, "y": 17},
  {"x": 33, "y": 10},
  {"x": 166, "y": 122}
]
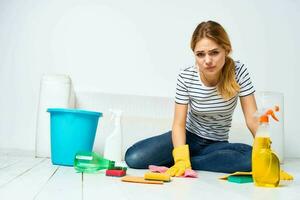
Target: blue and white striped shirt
[{"x": 209, "y": 115}]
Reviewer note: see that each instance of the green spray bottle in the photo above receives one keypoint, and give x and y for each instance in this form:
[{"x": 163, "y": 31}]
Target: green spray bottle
[{"x": 91, "y": 162}]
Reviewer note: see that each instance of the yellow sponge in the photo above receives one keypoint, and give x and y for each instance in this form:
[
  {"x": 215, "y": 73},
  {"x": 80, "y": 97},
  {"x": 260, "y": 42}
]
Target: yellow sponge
[
  {"x": 137, "y": 179},
  {"x": 157, "y": 176}
]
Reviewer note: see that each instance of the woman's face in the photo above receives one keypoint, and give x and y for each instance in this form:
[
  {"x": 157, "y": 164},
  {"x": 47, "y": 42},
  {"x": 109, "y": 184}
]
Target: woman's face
[{"x": 210, "y": 57}]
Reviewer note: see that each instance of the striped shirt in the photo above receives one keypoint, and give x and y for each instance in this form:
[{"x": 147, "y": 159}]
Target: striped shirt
[{"x": 209, "y": 115}]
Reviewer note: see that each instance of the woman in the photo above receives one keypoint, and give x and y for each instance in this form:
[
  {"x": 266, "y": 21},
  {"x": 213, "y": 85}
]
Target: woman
[{"x": 206, "y": 96}]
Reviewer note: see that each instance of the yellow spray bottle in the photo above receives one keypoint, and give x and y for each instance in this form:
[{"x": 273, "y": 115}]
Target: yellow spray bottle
[{"x": 265, "y": 163}]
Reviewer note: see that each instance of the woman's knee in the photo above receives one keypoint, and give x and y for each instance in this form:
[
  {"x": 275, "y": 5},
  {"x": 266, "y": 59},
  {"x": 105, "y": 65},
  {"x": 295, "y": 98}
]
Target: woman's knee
[
  {"x": 153, "y": 150},
  {"x": 134, "y": 158},
  {"x": 242, "y": 148},
  {"x": 246, "y": 151}
]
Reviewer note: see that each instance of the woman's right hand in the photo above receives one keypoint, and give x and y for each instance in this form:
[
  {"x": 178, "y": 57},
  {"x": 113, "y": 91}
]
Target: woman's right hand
[{"x": 181, "y": 157}]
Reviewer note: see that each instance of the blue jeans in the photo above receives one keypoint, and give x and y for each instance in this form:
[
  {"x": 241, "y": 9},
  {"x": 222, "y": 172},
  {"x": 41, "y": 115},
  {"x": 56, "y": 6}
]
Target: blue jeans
[{"x": 208, "y": 155}]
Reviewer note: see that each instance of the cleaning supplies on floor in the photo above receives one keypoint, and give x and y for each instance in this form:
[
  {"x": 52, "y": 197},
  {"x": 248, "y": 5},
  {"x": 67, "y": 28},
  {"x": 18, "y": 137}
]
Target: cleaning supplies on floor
[
  {"x": 156, "y": 175},
  {"x": 265, "y": 163},
  {"x": 113, "y": 143},
  {"x": 91, "y": 162}
]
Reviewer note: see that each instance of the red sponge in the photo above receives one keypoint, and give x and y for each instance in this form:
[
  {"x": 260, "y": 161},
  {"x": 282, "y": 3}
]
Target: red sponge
[{"x": 115, "y": 172}]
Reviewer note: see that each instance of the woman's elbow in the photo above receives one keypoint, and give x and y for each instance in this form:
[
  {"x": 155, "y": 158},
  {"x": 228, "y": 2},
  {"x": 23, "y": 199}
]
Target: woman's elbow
[{"x": 252, "y": 125}]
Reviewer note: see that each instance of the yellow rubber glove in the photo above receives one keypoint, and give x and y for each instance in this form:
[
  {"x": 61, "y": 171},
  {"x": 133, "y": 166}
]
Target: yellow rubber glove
[{"x": 181, "y": 157}]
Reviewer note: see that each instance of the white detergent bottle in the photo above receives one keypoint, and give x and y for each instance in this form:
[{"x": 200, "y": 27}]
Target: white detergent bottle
[{"x": 113, "y": 143}]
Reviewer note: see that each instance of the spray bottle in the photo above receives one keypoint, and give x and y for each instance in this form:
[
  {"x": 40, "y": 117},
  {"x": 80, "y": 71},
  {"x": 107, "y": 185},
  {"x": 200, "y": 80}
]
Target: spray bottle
[
  {"x": 265, "y": 163},
  {"x": 91, "y": 162},
  {"x": 113, "y": 143}
]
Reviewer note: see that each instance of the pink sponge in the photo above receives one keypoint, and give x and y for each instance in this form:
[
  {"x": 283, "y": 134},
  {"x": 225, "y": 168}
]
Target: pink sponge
[
  {"x": 162, "y": 169},
  {"x": 190, "y": 173}
]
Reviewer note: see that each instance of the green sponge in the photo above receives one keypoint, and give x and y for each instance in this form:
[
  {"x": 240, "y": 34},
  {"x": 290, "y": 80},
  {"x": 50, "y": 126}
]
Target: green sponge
[{"x": 240, "y": 179}]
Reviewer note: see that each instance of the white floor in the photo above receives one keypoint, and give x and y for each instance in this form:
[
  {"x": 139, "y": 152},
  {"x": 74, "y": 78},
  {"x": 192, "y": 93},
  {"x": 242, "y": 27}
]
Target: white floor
[{"x": 24, "y": 177}]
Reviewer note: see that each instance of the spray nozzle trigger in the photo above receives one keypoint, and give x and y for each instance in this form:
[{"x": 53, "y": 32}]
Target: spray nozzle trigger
[
  {"x": 265, "y": 116},
  {"x": 115, "y": 114}
]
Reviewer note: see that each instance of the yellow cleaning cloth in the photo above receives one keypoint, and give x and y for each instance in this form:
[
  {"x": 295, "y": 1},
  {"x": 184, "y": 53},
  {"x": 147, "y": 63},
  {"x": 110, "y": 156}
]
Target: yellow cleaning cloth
[
  {"x": 285, "y": 176},
  {"x": 235, "y": 174}
]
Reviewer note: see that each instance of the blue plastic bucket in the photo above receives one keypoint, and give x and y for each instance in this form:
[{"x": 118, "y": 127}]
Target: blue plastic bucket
[{"x": 72, "y": 130}]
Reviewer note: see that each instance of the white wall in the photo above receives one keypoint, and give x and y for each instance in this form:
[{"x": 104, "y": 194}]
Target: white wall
[{"x": 136, "y": 47}]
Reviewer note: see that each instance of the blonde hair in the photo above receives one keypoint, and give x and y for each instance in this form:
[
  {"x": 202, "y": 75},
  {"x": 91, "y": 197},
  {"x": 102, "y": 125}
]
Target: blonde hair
[{"x": 227, "y": 86}]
